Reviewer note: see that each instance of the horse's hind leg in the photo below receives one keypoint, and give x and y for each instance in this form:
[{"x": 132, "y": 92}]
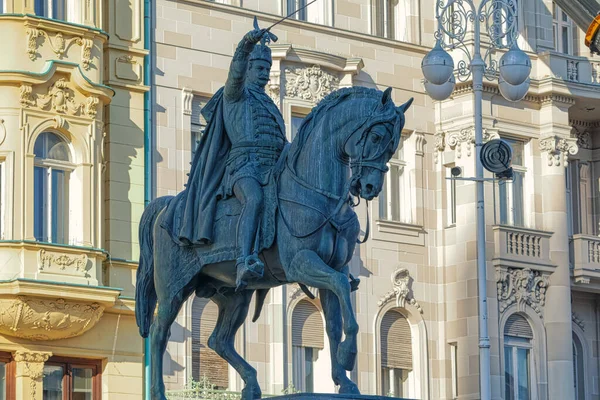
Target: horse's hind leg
[
  {"x": 233, "y": 309},
  {"x": 160, "y": 331},
  {"x": 333, "y": 326},
  {"x": 308, "y": 268}
]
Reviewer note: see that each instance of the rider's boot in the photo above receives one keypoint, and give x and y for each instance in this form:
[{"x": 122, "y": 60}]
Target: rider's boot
[{"x": 248, "y": 268}]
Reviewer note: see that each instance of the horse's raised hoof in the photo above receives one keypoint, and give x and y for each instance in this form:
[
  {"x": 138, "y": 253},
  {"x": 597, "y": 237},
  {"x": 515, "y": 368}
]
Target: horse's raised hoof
[
  {"x": 349, "y": 387},
  {"x": 346, "y": 354},
  {"x": 251, "y": 392}
]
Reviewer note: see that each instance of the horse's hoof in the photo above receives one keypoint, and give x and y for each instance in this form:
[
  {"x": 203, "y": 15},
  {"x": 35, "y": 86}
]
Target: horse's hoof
[
  {"x": 251, "y": 392},
  {"x": 349, "y": 387},
  {"x": 346, "y": 355}
]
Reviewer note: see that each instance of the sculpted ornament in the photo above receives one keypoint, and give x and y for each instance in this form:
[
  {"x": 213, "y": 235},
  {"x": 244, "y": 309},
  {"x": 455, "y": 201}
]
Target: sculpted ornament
[
  {"x": 63, "y": 263},
  {"x": 523, "y": 287},
  {"x": 33, "y": 368},
  {"x": 556, "y": 146},
  {"x": 25, "y": 96},
  {"x": 46, "y": 319},
  {"x": 311, "y": 83},
  {"x": 59, "y": 45},
  {"x": 59, "y": 98},
  {"x": 401, "y": 281},
  {"x": 466, "y": 138}
]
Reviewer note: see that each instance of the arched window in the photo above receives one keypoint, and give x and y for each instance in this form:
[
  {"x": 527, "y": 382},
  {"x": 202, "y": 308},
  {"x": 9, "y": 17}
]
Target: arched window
[
  {"x": 205, "y": 362},
  {"x": 51, "y": 188},
  {"x": 393, "y": 19},
  {"x": 396, "y": 354},
  {"x": 307, "y": 340},
  {"x": 517, "y": 358},
  {"x": 578, "y": 368}
]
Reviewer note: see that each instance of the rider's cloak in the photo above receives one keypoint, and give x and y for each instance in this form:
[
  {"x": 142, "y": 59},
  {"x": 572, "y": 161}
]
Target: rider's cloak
[{"x": 189, "y": 217}]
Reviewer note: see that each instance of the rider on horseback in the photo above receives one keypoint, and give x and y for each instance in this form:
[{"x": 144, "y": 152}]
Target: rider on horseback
[{"x": 256, "y": 130}]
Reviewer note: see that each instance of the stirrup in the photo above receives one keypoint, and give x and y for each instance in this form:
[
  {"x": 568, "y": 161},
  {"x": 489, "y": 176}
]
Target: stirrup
[{"x": 248, "y": 268}]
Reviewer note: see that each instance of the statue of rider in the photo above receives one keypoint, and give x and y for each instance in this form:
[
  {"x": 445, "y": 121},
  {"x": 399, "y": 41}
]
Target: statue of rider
[
  {"x": 256, "y": 130},
  {"x": 246, "y": 130}
]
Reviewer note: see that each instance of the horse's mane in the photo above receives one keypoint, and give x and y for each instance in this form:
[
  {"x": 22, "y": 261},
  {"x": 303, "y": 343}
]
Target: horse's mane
[{"x": 331, "y": 100}]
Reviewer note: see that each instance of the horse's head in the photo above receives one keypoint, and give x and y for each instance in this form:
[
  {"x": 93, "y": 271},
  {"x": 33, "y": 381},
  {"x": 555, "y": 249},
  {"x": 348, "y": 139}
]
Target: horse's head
[{"x": 371, "y": 148}]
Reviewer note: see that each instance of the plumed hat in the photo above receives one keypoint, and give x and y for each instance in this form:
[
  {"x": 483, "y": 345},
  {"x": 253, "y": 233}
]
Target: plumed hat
[{"x": 261, "y": 52}]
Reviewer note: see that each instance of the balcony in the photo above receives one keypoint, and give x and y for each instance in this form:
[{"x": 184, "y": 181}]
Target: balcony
[
  {"x": 517, "y": 247},
  {"x": 586, "y": 258},
  {"x": 569, "y": 68}
]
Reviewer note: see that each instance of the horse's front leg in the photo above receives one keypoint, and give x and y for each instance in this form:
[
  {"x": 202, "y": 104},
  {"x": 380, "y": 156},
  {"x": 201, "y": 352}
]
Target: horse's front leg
[
  {"x": 333, "y": 326},
  {"x": 308, "y": 268}
]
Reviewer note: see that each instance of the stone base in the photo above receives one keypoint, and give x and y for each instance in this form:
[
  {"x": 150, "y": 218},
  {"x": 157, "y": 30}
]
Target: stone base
[{"x": 327, "y": 396}]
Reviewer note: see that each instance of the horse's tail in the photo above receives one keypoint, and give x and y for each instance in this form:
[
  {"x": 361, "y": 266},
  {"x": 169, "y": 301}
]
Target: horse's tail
[{"x": 145, "y": 293}]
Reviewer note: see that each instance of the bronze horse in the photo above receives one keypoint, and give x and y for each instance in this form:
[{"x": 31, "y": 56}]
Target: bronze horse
[{"x": 341, "y": 152}]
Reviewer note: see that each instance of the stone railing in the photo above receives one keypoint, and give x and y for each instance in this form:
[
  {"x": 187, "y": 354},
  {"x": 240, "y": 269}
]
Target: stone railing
[
  {"x": 515, "y": 246},
  {"x": 569, "y": 68},
  {"x": 205, "y": 394},
  {"x": 586, "y": 258}
]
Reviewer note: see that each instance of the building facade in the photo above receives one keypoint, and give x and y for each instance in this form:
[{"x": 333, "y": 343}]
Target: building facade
[
  {"x": 417, "y": 304},
  {"x": 71, "y": 194}
]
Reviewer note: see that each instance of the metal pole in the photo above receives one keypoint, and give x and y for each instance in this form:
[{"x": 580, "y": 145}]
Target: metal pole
[{"x": 478, "y": 69}]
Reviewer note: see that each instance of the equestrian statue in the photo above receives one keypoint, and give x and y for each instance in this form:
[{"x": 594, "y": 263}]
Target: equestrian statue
[{"x": 258, "y": 212}]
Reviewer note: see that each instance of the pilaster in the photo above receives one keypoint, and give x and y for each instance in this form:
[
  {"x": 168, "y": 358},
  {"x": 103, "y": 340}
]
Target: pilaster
[{"x": 29, "y": 374}]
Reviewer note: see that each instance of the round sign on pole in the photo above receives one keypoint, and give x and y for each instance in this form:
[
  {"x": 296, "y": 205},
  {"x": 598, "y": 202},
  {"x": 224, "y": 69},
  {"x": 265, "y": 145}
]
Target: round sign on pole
[{"x": 496, "y": 156}]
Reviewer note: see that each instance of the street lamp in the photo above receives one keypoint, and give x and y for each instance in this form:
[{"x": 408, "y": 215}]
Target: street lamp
[{"x": 499, "y": 19}]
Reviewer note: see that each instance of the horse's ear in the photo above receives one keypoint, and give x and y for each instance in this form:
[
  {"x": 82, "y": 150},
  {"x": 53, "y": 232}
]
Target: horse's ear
[
  {"x": 406, "y": 105},
  {"x": 387, "y": 95}
]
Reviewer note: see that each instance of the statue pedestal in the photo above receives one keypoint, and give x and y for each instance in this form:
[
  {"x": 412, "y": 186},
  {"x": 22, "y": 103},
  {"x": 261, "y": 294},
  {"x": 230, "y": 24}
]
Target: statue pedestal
[{"x": 328, "y": 396}]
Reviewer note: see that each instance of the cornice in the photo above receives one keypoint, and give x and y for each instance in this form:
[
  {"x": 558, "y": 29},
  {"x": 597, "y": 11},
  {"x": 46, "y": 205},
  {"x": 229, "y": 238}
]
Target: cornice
[
  {"x": 126, "y": 49},
  {"x": 51, "y": 67},
  {"x": 55, "y": 25},
  {"x": 102, "y": 295},
  {"x": 303, "y": 25},
  {"x": 536, "y": 94}
]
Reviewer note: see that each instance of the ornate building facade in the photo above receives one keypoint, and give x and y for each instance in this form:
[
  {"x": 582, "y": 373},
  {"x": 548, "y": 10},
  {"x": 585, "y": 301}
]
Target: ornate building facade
[
  {"x": 417, "y": 305},
  {"x": 71, "y": 194}
]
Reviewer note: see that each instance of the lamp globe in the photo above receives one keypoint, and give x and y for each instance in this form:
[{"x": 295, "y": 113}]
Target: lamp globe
[
  {"x": 515, "y": 66},
  {"x": 437, "y": 65},
  {"x": 513, "y": 92},
  {"x": 440, "y": 92}
]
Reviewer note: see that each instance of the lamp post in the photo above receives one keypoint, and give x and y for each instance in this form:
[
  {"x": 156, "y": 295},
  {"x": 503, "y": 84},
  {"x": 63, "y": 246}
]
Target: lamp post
[{"x": 456, "y": 20}]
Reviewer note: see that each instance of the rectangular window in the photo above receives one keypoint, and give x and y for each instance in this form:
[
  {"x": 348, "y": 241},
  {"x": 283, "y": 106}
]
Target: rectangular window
[
  {"x": 454, "y": 367},
  {"x": 293, "y": 5},
  {"x": 303, "y": 360},
  {"x": 72, "y": 379},
  {"x": 296, "y": 122},
  {"x": 392, "y": 19},
  {"x": 450, "y": 198},
  {"x": 7, "y": 377},
  {"x": 394, "y": 382},
  {"x": 517, "y": 369},
  {"x": 394, "y": 199},
  {"x": 563, "y": 30},
  {"x": 511, "y": 192},
  {"x": 50, "y": 202}
]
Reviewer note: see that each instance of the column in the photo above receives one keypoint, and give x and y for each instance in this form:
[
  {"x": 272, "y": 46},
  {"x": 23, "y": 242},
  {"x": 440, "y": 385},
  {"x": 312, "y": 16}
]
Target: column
[
  {"x": 29, "y": 374},
  {"x": 554, "y": 152}
]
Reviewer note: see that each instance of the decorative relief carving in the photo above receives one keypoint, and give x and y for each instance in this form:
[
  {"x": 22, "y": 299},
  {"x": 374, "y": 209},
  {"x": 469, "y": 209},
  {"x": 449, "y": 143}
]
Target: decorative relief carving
[
  {"x": 2, "y": 132},
  {"x": 274, "y": 93},
  {"x": 523, "y": 287},
  {"x": 555, "y": 146},
  {"x": 90, "y": 106},
  {"x": 60, "y": 98},
  {"x": 401, "y": 282},
  {"x": 126, "y": 67},
  {"x": 63, "y": 263},
  {"x": 47, "y": 319},
  {"x": 33, "y": 368},
  {"x": 577, "y": 320},
  {"x": 311, "y": 83},
  {"x": 420, "y": 143},
  {"x": 26, "y": 98},
  {"x": 59, "y": 45},
  {"x": 439, "y": 145},
  {"x": 583, "y": 136},
  {"x": 465, "y": 139},
  {"x": 187, "y": 98}
]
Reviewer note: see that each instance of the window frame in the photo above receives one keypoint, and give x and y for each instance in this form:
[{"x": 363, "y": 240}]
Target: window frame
[
  {"x": 514, "y": 344},
  {"x": 325, "y": 12},
  {"x": 385, "y": 20},
  {"x": 68, "y": 363},
  {"x": 558, "y": 25},
  {"x": 509, "y": 187},
  {"x": 387, "y": 208},
  {"x": 10, "y": 372},
  {"x": 299, "y": 361},
  {"x": 451, "y": 197},
  {"x": 48, "y": 165}
]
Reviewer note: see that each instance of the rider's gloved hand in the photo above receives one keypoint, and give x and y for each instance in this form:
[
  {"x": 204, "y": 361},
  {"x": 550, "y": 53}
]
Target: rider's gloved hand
[{"x": 255, "y": 35}]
